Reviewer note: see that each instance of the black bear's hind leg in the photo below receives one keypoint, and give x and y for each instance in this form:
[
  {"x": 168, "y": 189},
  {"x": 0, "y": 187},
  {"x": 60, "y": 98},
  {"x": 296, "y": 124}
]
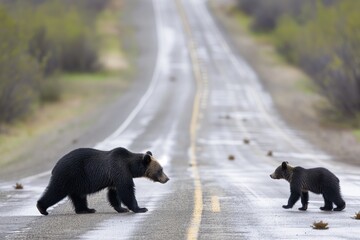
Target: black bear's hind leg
[
  {"x": 49, "y": 198},
  {"x": 114, "y": 202},
  {"x": 328, "y": 205},
  {"x": 41, "y": 208},
  {"x": 80, "y": 204}
]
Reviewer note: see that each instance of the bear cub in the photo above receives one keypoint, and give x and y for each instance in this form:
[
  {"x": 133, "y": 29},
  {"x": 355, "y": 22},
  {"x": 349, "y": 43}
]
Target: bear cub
[
  {"x": 316, "y": 180},
  {"x": 86, "y": 170}
]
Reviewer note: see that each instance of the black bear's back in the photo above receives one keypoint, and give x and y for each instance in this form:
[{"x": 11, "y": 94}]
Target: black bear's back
[
  {"x": 76, "y": 159},
  {"x": 83, "y": 170}
]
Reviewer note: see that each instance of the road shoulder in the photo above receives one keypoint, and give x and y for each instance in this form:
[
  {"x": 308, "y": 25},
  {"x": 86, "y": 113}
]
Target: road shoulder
[{"x": 289, "y": 87}]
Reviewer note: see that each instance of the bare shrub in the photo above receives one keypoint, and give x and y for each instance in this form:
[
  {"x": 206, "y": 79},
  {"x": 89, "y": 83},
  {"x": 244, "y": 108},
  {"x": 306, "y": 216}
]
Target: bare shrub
[
  {"x": 327, "y": 47},
  {"x": 19, "y": 73},
  {"x": 80, "y": 55},
  {"x": 267, "y": 14},
  {"x": 248, "y": 6}
]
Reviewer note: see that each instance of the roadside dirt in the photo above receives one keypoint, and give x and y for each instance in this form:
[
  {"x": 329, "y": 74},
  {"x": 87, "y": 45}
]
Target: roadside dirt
[
  {"x": 289, "y": 87},
  {"x": 58, "y": 127}
]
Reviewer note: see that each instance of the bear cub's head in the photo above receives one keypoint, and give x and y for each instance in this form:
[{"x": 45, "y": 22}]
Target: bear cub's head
[
  {"x": 154, "y": 171},
  {"x": 284, "y": 171}
]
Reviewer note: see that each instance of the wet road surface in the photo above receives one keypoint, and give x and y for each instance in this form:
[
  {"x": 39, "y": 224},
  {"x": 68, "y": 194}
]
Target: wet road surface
[{"x": 201, "y": 103}]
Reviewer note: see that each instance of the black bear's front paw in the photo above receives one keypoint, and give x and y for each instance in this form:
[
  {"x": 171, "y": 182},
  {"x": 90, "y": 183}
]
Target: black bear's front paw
[
  {"x": 286, "y": 206},
  {"x": 326, "y": 208},
  {"x": 121, "y": 209},
  {"x": 85, "y": 211},
  {"x": 140, "y": 210},
  {"x": 303, "y": 208}
]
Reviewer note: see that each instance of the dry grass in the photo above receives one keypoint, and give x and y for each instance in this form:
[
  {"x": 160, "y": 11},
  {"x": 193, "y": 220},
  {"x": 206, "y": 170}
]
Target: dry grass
[
  {"x": 320, "y": 225},
  {"x": 270, "y": 153},
  {"x": 231, "y": 157},
  {"x": 246, "y": 141},
  {"x": 18, "y": 186}
]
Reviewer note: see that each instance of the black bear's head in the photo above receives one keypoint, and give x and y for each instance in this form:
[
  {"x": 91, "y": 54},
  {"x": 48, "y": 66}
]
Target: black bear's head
[
  {"x": 154, "y": 170},
  {"x": 284, "y": 171}
]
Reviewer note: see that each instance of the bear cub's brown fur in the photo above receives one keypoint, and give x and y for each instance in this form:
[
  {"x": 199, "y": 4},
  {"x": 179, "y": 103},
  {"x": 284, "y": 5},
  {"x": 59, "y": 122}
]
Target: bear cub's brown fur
[{"x": 316, "y": 180}]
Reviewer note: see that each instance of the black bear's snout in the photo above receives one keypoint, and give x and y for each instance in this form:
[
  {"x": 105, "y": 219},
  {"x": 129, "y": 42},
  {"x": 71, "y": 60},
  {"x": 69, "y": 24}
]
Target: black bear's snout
[
  {"x": 164, "y": 179},
  {"x": 273, "y": 176}
]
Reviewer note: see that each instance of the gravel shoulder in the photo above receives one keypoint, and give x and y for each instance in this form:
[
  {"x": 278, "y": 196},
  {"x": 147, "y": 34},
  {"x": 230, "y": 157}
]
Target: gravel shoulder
[{"x": 289, "y": 87}]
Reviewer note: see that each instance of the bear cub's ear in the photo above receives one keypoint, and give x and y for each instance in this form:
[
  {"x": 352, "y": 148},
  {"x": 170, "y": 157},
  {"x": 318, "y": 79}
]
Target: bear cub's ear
[
  {"x": 146, "y": 159},
  {"x": 148, "y": 152},
  {"x": 284, "y": 165}
]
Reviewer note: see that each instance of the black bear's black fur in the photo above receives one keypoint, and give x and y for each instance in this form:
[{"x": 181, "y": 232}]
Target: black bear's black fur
[
  {"x": 85, "y": 170},
  {"x": 316, "y": 180}
]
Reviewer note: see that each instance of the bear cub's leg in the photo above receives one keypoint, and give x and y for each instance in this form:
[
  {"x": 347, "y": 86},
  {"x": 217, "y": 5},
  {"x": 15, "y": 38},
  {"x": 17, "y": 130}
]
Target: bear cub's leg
[
  {"x": 328, "y": 205},
  {"x": 114, "y": 201},
  {"x": 340, "y": 206},
  {"x": 304, "y": 201},
  {"x": 80, "y": 204},
  {"x": 340, "y": 203}
]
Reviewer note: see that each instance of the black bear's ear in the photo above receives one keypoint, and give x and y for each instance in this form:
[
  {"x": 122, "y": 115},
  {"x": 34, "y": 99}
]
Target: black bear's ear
[
  {"x": 146, "y": 159},
  {"x": 284, "y": 165},
  {"x": 148, "y": 152}
]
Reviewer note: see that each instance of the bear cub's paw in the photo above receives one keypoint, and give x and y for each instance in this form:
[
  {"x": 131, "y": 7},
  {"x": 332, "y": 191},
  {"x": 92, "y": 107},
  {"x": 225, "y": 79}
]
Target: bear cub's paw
[
  {"x": 340, "y": 208},
  {"x": 286, "y": 206},
  {"x": 303, "y": 208},
  {"x": 140, "y": 210}
]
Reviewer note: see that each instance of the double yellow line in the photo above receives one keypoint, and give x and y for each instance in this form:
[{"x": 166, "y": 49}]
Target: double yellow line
[{"x": 194, "y": 227}]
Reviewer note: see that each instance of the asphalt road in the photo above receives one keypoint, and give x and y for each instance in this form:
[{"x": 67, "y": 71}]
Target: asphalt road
[{"x": 197, "y": 107}]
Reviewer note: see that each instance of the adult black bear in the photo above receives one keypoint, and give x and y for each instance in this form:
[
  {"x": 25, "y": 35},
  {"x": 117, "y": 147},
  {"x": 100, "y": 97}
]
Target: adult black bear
[
  {"x": 316, "y": 180},
  {"x": 85, "y": 170}
]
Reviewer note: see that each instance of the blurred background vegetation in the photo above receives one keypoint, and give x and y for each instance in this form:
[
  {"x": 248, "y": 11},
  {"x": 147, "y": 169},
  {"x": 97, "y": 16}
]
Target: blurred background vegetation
[
  {"x": 39, "y": 40},
  {"x": 322, "y": 37}
]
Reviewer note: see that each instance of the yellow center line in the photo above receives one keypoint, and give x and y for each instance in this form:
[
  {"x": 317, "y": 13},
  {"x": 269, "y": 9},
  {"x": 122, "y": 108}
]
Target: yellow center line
[
  {"x": 193, "y": 230},
  {"x": 215, "y": 204}
]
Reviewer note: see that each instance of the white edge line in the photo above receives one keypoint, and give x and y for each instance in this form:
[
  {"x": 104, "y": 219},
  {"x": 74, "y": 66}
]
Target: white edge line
[{"x": 150, "y": 89}]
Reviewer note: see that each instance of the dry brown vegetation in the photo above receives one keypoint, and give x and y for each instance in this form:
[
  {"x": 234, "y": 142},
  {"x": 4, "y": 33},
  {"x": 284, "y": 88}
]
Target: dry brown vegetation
[
  {"x": 320, "y": 225},
  {"x": 18, "y": 186},
  {"x": 357, "y": 216}
]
